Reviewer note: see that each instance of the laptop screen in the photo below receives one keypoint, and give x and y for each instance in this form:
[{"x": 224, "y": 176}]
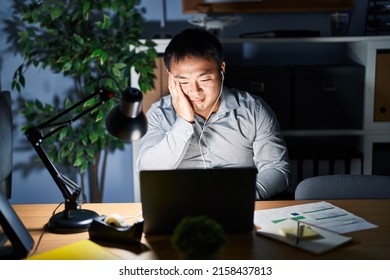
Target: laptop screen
[{"x": 226, "y": 195}]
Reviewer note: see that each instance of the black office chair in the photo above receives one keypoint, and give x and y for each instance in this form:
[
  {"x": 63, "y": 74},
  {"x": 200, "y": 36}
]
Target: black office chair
[{"x": 346, "y": 186}]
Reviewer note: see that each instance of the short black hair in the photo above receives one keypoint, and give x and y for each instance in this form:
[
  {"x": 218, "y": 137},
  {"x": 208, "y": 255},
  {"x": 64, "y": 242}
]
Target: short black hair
[{"x": 194, "y": 42}]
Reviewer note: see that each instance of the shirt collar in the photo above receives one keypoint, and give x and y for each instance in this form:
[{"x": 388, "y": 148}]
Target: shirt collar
[{"x": 228, "y": 102}]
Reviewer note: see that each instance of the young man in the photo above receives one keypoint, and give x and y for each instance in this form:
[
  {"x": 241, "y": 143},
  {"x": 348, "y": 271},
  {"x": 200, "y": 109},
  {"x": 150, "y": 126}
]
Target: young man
[{"x": 203, "y": 124}]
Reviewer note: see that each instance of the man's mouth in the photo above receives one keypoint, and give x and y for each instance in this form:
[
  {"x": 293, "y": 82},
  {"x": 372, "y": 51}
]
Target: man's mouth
[{"x": 198, "y": 101}]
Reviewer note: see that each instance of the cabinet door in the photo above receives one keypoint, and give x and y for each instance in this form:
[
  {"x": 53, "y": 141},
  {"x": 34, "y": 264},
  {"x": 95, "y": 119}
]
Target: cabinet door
[
  {"x": 160, "y": 85},
  {"x": 272, "y": 83},
  {"x": 382, "y": 87},
  {"x": 381, "y": 159},
  {"x": 329, "y": 97}
]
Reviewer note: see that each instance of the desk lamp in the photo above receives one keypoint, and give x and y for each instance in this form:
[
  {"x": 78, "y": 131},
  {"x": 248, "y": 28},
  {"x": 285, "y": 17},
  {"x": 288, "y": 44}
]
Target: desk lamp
[{"x": 125, "y": 121}]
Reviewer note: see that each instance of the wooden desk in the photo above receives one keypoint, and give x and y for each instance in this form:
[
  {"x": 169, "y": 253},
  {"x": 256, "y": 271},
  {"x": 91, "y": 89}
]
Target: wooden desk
[{"x": 367, "y": 244}]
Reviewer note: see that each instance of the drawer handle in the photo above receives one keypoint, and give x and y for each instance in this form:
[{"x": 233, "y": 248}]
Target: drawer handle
[{"x": 329, "y": 86}]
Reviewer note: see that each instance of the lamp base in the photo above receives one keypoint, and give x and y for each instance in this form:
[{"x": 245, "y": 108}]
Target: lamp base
[{"x": 78, "y": 221}]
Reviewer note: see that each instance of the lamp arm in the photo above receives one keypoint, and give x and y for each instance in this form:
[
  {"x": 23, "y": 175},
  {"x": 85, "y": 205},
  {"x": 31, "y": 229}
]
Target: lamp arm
[
  {"x": 61, "y": 125},
  {"x": 104, "y": 96},
  {"x": 69, "y": 189}
]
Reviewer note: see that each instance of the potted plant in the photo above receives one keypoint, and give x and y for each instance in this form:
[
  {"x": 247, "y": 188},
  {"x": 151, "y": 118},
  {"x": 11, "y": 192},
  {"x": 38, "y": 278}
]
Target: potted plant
[
  {"x": 84, "y": 40},
  {"x": 198, "y": 238}
]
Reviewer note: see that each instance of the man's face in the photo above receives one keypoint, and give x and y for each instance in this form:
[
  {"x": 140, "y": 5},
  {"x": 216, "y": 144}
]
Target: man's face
[{"x": 200, "y": 80}]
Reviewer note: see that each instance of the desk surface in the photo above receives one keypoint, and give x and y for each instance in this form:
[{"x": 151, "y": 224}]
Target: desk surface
[{"x": 367, "y": 244}]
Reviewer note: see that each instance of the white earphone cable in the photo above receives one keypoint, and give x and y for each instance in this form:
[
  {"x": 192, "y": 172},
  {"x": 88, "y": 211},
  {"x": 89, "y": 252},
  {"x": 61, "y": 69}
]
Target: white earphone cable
[{"x": 204, "y": 126}]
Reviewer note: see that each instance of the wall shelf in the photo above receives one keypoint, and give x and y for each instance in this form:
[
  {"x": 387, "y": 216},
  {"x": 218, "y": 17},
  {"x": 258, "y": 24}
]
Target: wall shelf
[{"x": 265, "y": 6}]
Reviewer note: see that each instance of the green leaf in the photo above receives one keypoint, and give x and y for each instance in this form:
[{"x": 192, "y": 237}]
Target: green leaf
[
  {"x": 84, "y": 139},
  {"x": 120, "y": 65},
  {"x": 68, "y": 103},
  {"x": 93, "y": 137},
  {"x": 97, "y": 53},
  {"x": 117, "y": 72},
  {"x": 63, "y": 59},
  {"x": 14, "y": 85},
  {"x": 86, "y": 7},
  {"x": 25, "y": 127},
  {"x": 18, "y": 88},
  {"x": 63, "y": 133},
  {"x": 23, "y": 34},
  {"x": 84, "y": 167},
  {"x": 64, "y": 153},
  {"x": 89, "y": 103},
  {"x": 56, "y": 13},
  {"x": 79, "y": 153},
  {"x": 70, "y": 145},
  {"x": 78, "y": 162},
  {"x": 78, "y": 39},
  {"x": 99, "y": 116},
  {"x": 103, "y": 58},
  {"x": 106, "y": 22},
  {"x": 53, "y": 32},
  {"x": 67, "y": 66},
  {"x": 39, "y": 104},
  {"x": 90, "y": 152},
  {"x": 76, "y": 15}
]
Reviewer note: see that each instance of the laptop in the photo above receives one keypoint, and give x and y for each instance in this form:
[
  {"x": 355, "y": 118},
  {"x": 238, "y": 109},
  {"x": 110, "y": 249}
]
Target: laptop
[{"x": 226, "y": 195}]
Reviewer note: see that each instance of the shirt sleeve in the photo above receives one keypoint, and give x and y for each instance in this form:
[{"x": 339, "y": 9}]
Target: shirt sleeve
[
  {"x": 164, "y": 145},
  {"x": 270, "y": 155}
]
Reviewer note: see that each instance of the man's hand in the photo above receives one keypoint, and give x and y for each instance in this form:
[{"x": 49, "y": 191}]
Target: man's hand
[{"x": 180, "y": 101}]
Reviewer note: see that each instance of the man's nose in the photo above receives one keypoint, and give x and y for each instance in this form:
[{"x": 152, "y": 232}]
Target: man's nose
[{"x": 194, "y": 89}]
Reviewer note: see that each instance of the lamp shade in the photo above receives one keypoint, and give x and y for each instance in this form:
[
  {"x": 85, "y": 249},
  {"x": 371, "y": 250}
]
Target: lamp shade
[{"x": 126, "y": 121}]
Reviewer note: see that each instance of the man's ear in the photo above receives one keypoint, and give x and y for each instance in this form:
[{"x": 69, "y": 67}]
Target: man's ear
[{"x": 223, "y": 66}]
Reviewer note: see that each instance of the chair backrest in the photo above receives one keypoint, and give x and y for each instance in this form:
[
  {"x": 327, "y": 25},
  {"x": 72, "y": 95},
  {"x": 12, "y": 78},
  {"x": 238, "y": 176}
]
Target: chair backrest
[
  {"x": 5, "y": 143},
  {"x": 346, "y": 186}
]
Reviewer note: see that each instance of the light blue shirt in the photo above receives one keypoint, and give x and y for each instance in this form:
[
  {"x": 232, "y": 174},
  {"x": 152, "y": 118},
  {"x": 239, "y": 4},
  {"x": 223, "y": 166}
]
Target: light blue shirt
[{"x": 244, "y": 132}]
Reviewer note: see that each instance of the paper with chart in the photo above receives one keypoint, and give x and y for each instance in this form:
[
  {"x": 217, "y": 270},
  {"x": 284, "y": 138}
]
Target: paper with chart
[{"x": 322, "y": 214}]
